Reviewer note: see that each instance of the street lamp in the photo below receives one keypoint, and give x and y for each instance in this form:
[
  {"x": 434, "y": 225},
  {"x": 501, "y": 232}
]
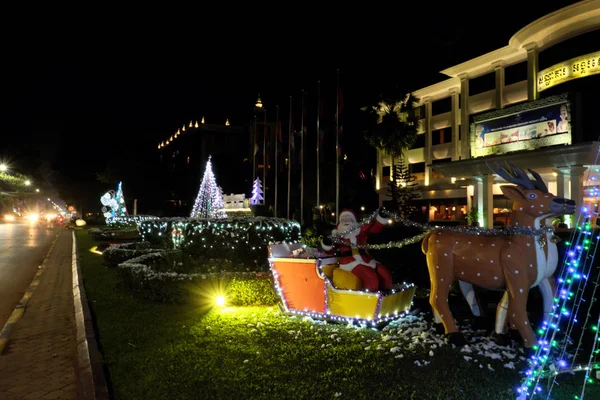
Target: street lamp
[
  {"x": 37, "y": 190},
  {"x": 27, "y": 182},
  {"x": 3, "y": 167}
]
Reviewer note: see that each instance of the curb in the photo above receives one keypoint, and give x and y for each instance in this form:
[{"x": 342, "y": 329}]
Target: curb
[
  {"x": 91, "y": 379},
  {"x": 19, "y": 310}
]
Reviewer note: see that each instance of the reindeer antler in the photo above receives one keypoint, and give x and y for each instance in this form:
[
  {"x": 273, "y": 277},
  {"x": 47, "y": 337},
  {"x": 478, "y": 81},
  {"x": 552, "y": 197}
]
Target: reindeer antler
[
  {"x": 539, "y": 182},
  {"x": 512, "y": 174}
]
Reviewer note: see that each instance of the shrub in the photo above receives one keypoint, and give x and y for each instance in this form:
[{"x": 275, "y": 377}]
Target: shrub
[
  {"x": 242, "y": 241},
  {"x": 311, "y": 238},
  {"x": 121, "y": 252},
  {"x": 162, "y": 277},
  {"x": 114, "y": 233}
]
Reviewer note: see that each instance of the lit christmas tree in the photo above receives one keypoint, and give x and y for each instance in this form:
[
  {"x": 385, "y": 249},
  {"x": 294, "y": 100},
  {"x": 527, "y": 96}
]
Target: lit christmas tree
[
  {"x": 256, "y": 193},
  {"x": 209, "y": 203},
  {"x": 121, "y": 207}
]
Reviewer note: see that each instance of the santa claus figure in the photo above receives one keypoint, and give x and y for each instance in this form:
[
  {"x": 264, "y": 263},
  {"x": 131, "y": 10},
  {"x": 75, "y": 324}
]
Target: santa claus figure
[{"x": 373, "y": 275}]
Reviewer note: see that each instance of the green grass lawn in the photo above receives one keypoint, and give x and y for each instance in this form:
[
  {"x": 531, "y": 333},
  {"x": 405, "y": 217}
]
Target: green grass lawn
[{"x": 155, "y": 351}]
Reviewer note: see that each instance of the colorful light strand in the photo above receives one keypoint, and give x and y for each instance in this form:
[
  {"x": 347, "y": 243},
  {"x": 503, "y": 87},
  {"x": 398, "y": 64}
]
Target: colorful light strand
[{"x": 577, "y": 268}]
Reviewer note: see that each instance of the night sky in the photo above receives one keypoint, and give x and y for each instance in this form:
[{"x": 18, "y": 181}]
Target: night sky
[{"x": 78, "y": 94}]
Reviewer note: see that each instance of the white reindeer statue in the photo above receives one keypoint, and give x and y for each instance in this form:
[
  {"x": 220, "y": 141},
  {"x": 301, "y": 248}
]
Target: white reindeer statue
[{"x": 513, "y": 263}]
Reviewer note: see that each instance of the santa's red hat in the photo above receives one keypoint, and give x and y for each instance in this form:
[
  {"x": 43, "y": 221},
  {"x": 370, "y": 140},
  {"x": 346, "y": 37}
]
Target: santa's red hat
[{"x": 346, "y": 212}]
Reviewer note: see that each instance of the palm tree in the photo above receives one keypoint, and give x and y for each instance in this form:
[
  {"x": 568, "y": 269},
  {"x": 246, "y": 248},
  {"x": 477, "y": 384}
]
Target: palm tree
[{"x": 392, "y": 128}]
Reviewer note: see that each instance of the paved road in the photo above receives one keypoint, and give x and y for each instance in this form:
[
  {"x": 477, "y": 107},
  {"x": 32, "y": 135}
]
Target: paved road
[{"x": 23, "y": 247}]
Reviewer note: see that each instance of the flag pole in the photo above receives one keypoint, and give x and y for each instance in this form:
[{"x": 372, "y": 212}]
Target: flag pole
[
  {"x": 302, "y": 163},
  {"x": 265, "y": 157},
  {"x": 318, "y": 137},
  {"x": 337, "y": 148},
  {"x": 289, "y": 160},
  {"x": 276, "y": 149}
]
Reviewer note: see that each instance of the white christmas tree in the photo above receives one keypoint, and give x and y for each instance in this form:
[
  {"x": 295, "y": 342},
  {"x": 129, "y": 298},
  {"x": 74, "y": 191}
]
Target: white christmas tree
[
  {"x": 209, "y": 203},
  {"x": 121, "y": 208},
  {"x": 256, "y": 193}
]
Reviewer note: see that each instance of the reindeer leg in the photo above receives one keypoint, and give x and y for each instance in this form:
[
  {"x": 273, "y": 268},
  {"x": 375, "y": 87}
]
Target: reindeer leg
[
  {"x": 547, "y": 287},
  {"x": 467, "y": 290},
  {"x": 437, "y": 323},
  {"x": 500, "y": 337},
  {"x": 501, "y": 311},
  {"x": 438, "y": 298},
  {"x": 471, "y": 296},
  {"x": 518, "y": 289}
]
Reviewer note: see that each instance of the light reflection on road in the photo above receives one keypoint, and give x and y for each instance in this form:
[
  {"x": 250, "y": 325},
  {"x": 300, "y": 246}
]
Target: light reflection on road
[{"x": 23, "y": 247}]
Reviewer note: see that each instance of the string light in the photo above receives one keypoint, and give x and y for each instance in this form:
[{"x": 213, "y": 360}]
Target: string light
[
  {"x": 209, "y": 203},
  {"x": 329, "y": 290},
  {"x": 257, "y": 192},
  {"x": 550, "y": 358},
  {"x": 337, "y": 238},
  {"x": 249, "y": 235},
  {"x": 130, "y": 219},
  {"x": 113, "y": 204}
]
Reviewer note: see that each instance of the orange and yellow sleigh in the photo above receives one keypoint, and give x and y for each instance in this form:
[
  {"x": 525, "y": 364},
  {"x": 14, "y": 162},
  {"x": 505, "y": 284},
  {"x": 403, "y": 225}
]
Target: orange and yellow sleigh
[{"x": 318, "y": 288}]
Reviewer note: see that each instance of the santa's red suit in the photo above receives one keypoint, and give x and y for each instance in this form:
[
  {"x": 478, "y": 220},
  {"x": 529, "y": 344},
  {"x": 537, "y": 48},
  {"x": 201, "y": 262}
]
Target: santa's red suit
[{"x": 373, "y": 275}]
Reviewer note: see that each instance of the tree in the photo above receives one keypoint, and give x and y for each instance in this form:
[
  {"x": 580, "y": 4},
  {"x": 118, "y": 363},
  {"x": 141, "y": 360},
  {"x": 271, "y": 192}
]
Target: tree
[
  {"x": 257, "y": 192},
  {"x": 109, "y": 175},
  {"x": 392, "y": 128},
  {"x": 404, "y": 189},
  {"x": 209, "y": 203},
  {"x": 121, "y": 208}
]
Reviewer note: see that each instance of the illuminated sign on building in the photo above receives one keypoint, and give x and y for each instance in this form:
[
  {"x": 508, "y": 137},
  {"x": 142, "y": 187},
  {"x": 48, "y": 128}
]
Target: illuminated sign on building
[
  {"x": 531, "y": 125},
  {"x": 578, "y": 67}
]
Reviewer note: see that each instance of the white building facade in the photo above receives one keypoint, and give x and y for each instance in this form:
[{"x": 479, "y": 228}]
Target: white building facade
[{"x": 520, "y": 121}]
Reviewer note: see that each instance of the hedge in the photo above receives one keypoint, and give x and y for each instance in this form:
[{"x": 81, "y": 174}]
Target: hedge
[
  {"x": 155, "y": 276},
  {"x": 241, "y": 240}
]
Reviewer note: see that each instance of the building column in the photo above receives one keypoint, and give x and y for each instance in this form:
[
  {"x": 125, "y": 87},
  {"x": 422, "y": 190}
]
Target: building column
[
  {"x": 563, "y": 175},
  {"x": 465, "y": 141},
  {"x": 499, "y": 70},
  {"x": 470, "y": 193},
  {"x": 484, "y": 200},
  {"x": 455, "y": 116},
  {"x": 428, "y": 149},
  {"x": 577, "y": 172},
  {"x": 532, "y": 70}
]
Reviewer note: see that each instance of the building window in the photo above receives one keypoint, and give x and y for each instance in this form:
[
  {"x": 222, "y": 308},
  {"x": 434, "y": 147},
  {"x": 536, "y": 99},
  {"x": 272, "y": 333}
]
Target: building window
[
  {"x": 441, "y": 136},
  {"x": 188, "y": 159},
  {"x": 416, "y": 168},
  {"x": 441, "y": 106},
  {"x": 385, "y": 171},
  {"x": 482, "y": 84},
  {"x": 515, "y": 73},
  {"x": 420, "y": 142}
]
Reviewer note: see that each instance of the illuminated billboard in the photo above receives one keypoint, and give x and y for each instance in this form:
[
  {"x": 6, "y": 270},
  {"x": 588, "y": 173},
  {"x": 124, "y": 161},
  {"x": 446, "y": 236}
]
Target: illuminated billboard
[
  {"x": 531, "y": 125},
  {"x": 578, "y": 67}
]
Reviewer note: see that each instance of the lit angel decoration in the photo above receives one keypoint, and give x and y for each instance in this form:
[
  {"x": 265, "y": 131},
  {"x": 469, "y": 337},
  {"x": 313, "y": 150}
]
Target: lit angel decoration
[
  {"x": 110, "y": 204},
  {"x": 113, "y": 203}
]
